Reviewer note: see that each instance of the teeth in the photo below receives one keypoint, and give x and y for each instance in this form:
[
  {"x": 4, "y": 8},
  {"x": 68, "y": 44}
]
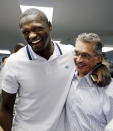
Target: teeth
[
  {"x": 34, "y": 42},
  {"x": 80, "y": 65}
]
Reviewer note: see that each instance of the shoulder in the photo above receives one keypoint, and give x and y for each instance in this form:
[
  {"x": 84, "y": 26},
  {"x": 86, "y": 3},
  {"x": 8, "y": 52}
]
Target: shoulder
[
  {"x": 21, "y": 54},
  {"x": 14, "y": 58},
  {"x": 66, "y": 48},
  {"x": 110, "y": 86},
  {"x": 109, "y": 89}
]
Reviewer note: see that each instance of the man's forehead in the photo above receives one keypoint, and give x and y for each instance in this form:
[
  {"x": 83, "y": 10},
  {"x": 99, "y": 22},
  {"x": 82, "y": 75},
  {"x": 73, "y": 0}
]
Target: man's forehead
[
  {"x": 31, "y": 20},
  {"x": 31, "y": 24},
  {"x": 84, "y": 47},
  {"x": 31, "y": 17}
]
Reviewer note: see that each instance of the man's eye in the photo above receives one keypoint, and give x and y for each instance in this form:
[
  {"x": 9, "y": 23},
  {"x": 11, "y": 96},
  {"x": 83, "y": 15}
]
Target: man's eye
[
  {"x": 85, "y": 55},
  {"x": 37, "y": 29},
  {"x": 77, "y": 53},
  {"x": 25, "y": 32}
]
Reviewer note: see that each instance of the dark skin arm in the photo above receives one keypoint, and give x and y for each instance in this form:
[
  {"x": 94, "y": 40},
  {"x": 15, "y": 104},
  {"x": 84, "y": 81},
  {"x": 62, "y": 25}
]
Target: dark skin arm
[
  {"x": 101, "y": 76},
  {"x": 6, "y": 110}
]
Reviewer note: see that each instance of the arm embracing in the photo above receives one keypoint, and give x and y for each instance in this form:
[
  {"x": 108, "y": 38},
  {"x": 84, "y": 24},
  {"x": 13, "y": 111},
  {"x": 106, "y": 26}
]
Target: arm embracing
[
  {"x": 6, "y": 110},
  {"x": 101, "y": 75}
]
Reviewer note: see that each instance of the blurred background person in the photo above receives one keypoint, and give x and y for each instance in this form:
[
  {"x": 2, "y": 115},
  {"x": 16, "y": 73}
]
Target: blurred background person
[
  {"x": 4, "y": 59},
  {"x": 18, "y": 47}
]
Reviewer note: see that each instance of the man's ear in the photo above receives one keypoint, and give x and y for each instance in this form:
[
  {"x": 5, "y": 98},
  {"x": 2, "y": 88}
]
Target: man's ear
[{"x": 50, "y": 26}]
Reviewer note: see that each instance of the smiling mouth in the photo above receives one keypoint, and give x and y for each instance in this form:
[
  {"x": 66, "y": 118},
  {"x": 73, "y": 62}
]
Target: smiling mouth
[
  {"x": 80, "y": 65},
  {"x": 36, "y": 41},
  {"x": 36, "y": 44}
]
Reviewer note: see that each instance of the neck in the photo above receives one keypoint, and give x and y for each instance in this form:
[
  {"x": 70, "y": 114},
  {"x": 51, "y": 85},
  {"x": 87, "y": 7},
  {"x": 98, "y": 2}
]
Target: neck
[
  {"x": 80, "y": 75},
  {"x": 48, "y": 51}
]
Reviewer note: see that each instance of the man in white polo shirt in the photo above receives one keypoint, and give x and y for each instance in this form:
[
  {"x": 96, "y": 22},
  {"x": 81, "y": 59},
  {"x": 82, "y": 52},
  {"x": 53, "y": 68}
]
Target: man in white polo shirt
[{"x": 41, "y": 74}]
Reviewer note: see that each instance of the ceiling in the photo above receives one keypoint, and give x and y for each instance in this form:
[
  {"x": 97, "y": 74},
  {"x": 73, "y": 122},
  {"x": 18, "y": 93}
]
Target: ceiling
[{"x": 70, "y": 17}]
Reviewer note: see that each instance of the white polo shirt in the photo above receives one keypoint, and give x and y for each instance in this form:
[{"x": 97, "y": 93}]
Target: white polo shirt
[{"x": 42, "y": 86}]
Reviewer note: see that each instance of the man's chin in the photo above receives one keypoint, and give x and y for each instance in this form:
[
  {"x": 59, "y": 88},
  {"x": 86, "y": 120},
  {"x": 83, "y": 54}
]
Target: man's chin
[
  {"x": 37, "y": 47},
  {"x": 37, "y": 50},
  {"x": 80, "y": 70}
]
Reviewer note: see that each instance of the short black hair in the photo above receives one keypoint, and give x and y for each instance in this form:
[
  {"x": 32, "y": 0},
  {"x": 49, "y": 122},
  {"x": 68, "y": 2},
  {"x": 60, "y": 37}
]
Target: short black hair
[
  {"x": 34, "y": 11},
  {"x": 3, "y": 58}
]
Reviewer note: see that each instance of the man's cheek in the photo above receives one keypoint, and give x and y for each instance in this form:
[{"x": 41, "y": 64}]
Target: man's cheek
[{"x": 74, "y": 59}]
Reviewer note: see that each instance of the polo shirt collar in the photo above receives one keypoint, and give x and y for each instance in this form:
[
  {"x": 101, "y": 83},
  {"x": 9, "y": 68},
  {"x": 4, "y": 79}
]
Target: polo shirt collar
[{"x": 33, "y": 56}]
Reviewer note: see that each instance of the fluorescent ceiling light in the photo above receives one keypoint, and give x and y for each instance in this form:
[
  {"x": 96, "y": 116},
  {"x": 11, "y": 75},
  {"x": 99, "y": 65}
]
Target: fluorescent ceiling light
[
  {"x": 105, "y": 49},
  {"x": 5, "y": 52},
  {"x": 47, "y": 10}
]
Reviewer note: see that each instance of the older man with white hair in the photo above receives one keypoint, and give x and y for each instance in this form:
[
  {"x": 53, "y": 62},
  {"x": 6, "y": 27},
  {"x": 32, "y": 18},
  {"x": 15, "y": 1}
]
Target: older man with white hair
[{"x": 89, "y": 107}]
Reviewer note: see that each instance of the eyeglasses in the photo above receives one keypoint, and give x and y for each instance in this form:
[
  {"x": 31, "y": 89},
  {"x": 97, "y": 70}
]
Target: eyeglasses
[{"x": 84, "y": 55}]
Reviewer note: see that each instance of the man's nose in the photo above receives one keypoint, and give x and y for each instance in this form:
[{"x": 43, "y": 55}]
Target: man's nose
[
  {"x": 32, "y": 35},
  {"x": 79, "y": 58}
]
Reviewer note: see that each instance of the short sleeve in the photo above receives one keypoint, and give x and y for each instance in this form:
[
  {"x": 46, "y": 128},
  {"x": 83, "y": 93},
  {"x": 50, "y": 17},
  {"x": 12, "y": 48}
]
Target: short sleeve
[{"x": 9, "y": 81}]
